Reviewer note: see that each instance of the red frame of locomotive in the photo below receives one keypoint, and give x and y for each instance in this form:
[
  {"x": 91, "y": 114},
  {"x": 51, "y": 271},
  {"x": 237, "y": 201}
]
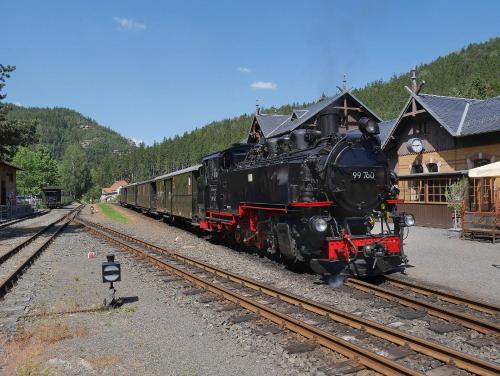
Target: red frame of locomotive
[{"x": 334, "y": 249}]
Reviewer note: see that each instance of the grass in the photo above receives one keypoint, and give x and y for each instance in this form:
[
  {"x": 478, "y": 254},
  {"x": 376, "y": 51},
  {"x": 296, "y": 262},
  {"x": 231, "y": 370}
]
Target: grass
[
  {"x": 127, "y": 308},
  {"x": 24, "y": 355},
  {"x": 102, "y": 362},
  {"x": 110, "y": 212}
]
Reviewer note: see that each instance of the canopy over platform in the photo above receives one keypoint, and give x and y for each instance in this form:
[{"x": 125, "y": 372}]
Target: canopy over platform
[{"x": 489, "y": 170}]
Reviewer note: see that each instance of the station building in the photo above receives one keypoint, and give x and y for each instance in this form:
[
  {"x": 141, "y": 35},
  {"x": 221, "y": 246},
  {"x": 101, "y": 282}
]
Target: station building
[{"x": 433, "y": 143}]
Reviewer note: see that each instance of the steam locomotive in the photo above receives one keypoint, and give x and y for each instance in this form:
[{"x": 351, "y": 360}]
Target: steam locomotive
[{"x": 312, "y": 196}]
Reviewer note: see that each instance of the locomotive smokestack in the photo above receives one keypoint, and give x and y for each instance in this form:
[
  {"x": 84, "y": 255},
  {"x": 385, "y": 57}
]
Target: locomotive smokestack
[
  {"x": 328, "y": 122},
  {"x": 414, "y": 79}
]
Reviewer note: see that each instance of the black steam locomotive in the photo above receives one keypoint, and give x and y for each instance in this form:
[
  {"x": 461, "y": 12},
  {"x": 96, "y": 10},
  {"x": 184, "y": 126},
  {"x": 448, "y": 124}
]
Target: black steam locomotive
[{"x": 313, "y": 196}]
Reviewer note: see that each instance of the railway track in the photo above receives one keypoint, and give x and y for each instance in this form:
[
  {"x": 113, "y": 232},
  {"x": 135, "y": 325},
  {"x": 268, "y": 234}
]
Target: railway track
[
  {"x": 17, "y": 220},
  {"x": 485, "y": 325},
  {"x": 8, "y": 254},
  {"x": 14, "y": 262},
  {"x": 278, "y": 306},
  {"x": 446, "y": 296}
]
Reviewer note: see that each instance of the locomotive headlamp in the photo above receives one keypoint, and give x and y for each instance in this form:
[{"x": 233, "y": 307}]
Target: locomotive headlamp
[
  {"x": 409, "y": 220},
  {"x": 319, "y": 224},
  {"x": 368, "y": 126}
]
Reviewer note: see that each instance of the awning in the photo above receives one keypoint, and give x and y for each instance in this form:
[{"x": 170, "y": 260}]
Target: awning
[
  {"x": 433, "y": 175},
  {"x": 489, "y": 170}
]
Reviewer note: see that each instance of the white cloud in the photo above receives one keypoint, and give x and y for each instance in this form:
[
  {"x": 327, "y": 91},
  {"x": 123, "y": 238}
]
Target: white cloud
[
  {"x": 128, "y": 24},
  {"x": 263, "y": 85},
  {"x": 244, "y": 70},
  {"x": 137, "y": 142},
  {"x": 19, "y": 104}
]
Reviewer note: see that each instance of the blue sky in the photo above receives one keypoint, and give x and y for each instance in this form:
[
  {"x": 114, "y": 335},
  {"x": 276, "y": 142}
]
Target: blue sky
[{"x": 153, "y": 69}]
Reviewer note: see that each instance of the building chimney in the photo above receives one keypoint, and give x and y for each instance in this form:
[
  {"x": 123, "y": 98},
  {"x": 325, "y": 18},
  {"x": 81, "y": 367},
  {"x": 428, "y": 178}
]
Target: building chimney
[
  {"x": 344, "y": 83},
  {"x": 414, "y": 79}
]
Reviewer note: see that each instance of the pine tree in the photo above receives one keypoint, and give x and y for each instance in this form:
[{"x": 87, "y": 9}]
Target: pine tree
[{"x": 12, "y": 133}]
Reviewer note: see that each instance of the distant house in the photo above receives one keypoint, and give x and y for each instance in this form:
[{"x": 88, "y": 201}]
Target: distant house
[
  {"x": 113, "y": 191},
  {"x": 8, "y": 183},
  {"x": 433, "y": 143}
]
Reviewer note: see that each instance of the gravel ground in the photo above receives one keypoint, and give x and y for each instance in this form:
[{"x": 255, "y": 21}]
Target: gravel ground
[
  {"x": 469, "y": 267},
  {"x": 167, "y": 332},
  {"x": 303, "y": 284},
  {"x": 15, "y": 234}
]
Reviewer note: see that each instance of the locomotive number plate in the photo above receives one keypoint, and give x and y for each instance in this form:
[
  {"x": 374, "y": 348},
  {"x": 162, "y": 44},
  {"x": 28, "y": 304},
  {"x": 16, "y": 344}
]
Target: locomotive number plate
[{"x": 363, "y": 175}]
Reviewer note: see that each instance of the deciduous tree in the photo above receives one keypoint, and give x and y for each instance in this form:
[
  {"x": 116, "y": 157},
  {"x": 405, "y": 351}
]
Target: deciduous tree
[{"x": 39, "y": 169}]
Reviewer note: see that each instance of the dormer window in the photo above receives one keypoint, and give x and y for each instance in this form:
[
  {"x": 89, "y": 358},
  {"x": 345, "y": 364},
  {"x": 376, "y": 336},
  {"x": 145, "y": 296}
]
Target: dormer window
[
  {"x": 432, "y": 167},
  {"x": 481, "y": 162},
  {"x": 417, "y": 169}
]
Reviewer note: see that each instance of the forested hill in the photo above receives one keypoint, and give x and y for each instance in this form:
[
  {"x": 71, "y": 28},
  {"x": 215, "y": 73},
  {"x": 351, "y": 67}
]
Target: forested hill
[
  {"x": 471, "y": 72},
  {"x": 57, "y": 128}
]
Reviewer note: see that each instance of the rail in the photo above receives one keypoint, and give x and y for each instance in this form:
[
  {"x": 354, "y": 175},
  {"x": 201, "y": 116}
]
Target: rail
[
  {"x": 468, "y": 321},
  {"x": 5, "y": 256},
  {"x": 446, "y": 296},
  {"x": 7, "y": 282}
]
